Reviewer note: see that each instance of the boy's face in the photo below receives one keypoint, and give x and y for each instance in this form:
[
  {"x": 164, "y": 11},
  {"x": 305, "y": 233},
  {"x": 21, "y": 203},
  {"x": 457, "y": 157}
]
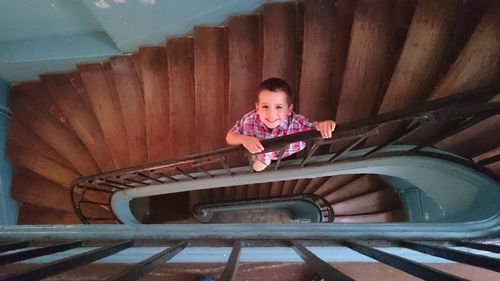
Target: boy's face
[{"x": 273, "y": 108}]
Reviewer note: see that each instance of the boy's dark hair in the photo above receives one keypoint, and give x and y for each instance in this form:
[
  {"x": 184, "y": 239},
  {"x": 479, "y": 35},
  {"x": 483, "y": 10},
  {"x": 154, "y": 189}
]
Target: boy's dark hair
[{"x": 275, "y": 84}]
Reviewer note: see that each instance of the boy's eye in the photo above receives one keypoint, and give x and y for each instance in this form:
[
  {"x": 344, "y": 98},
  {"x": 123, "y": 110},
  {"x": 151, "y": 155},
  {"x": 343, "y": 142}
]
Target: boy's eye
[
  {"x": 265, "y": 106},
  {"x": 279, "y": 107}
]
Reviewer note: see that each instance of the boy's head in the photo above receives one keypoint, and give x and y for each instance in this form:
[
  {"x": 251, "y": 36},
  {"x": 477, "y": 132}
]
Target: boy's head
[{"x": 274, "y": 102}]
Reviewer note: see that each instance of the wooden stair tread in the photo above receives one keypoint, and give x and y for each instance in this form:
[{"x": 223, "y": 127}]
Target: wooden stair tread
[
  {"x": 30, "y": 214},
  {"x": 106, "y": 106}
]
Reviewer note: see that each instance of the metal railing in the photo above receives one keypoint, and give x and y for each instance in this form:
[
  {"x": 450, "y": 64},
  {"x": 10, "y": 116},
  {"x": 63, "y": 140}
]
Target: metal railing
[
  {"x": 377, "y": 250},
  {"x": 92, "y": 194},
  {"x": 314, "y": 208}
]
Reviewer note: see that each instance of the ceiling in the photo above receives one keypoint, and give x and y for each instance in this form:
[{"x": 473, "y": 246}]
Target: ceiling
[{"x": 44, "y": 36}]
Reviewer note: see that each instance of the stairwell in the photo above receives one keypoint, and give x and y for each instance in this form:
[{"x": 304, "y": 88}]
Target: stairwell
[{"x": 345, "y": 60}]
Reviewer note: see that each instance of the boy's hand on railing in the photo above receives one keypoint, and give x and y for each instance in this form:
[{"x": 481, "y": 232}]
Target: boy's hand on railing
[
  {"x": 326, "y": 128},
  {"x": 252, "y": 144}
]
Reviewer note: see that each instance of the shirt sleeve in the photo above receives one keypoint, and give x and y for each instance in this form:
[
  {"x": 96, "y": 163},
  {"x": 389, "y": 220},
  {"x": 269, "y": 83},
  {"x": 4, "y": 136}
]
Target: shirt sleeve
[
  {"x": 237, "y": 128},
  {"x": 304, "y": 124},
  {"x": 241, "y": 126}
]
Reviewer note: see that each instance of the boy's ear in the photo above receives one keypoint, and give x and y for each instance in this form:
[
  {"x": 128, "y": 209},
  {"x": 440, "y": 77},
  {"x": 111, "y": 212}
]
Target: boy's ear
[
  {"x": 256, "y": 107},
  {"x": 290, "y": 109}
]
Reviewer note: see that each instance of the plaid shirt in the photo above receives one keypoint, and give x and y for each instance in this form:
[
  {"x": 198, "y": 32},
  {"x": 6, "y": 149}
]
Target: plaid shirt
[{"x": 250, "y": 125}]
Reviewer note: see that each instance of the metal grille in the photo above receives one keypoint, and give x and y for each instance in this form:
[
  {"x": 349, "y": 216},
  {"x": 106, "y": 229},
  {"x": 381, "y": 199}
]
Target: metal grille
[{"x": 327, "y": 271}]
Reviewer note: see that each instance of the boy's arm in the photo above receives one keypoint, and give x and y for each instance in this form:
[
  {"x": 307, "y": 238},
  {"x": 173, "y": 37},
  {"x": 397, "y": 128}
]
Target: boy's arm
[
  {"x": 326, "y": 128},
  {"x": 252, "y": 144}
]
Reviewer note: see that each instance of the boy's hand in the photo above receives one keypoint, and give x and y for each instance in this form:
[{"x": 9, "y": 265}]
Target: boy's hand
[
  {"x": 326, "y": 128},
  {"x": 252, "y": 144}
]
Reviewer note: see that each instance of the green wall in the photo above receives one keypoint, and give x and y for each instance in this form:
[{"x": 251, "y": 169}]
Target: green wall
[{"x": 8, "y": 207}]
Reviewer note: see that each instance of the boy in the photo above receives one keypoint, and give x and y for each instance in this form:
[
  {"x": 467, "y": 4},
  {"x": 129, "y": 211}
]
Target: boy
[{"x": 273, "y": 117}]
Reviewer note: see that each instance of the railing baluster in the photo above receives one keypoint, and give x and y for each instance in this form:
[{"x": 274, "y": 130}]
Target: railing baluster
[
  {"x": 232, "y": 263},
  {"x": 325, "y": 270},
  {"x": 414, "y": 126},
  {"x": 28, "y": 254},
  {"x": 310, "y": 153},
  {"x": 136, "y": 181},
  {"x": 168, "y": 177},
  {"x": 280, "y": 156},
  {"x": 484, "y": 247},
  {"x": 124, "y": 185},
  {"x": 345, "y": 150},
  {"x": 13, "y": 246},
  {"x": 95, "y": 189},
  {"x": 204, "y": 171},
  {"x": 184, "y": 173},
  {"x": 454, "y": 255},
  {"x": 68, "y": 263},
  {"x": 223, "y": 162},
  {"x": 138, "y": 270},
  {"x": 416, "y": 269},
  {"x": 452, "y": 131},
  {"x": 93, "y": 202},
  {"x": 149, "y": 177},
  {"x": 110, "y": 185}
]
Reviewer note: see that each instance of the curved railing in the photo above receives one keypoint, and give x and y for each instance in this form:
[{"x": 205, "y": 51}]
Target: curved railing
[
  {"x": 91, "y": 196},
  {"x": 304, "y": 207}
]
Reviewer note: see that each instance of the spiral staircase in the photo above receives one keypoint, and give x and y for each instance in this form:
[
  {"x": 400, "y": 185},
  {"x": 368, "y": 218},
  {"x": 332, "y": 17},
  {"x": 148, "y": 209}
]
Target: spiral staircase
[{"x": 345, "y": 60}]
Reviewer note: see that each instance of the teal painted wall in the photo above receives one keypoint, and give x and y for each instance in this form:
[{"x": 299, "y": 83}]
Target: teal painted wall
[{"x": 8, "y": 207}]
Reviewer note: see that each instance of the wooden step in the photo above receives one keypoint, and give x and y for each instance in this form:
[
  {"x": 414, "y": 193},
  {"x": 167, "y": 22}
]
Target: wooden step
[
  {"x": 30, "y": 214},
  {"x": 181, "y": 96},
  {"x": 50, "y": 130},
  {"x": 315, "y": 99},
  {"x": 381, "y": 217},
  {"x": 80, "y": 117},
  {"x": 34, "y": 189},
  {"x": 466, "y": 143},
  {"x": 41, "y": 165},
  {"x": 367, "y": 61},
  {"x": 129, "y": 92},
  {"x": 362, "y": 185},
  {"x": 334, "y": 183},
  {"x": 314, "y": 184},
  {"x": 245, "y": 64},
  {"x": 281, "y": 43},
  {"x": 416, "y": 72},
  {"x": 106, "y": 106},
  {"x": 153, "y": 69},
  {"x": 375, "y": 202},
  {"x": 22, "y": 136},
  {"x": 478, "y": 61}
]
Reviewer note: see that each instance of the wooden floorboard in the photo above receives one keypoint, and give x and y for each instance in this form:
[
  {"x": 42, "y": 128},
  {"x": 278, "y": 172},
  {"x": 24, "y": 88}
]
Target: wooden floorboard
[
  {"x": 478, "y": 63},
  {"x": 281, "y": 55},
  {"x": 36, "y": 190},
  {"x": 367, "y": 61},
  {"x": 245, "y": 64},
  {"x": 106, "y": 106},
  {"x": 80, "y": 117},
  {"x": 362, "y": 185},
  {"x": 50, "y": 130},
  {"x": 181, "y": 96},
  {"x": 129, "y": 92},
  {"x": 374, "y": 202},
  {"x": 153, "y": 68},
  {"x": 320, "y": 27}
]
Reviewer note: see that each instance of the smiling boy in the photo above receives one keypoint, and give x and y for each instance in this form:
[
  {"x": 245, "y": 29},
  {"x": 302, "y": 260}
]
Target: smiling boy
[{"x": 273, "y": 117}]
